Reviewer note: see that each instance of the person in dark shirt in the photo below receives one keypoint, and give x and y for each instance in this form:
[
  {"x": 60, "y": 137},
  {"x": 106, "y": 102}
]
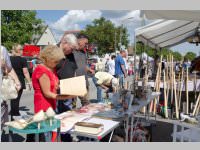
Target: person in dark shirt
[
  {"x": 19, "y": 64},
  {"x": 81, "y": 60},
  {"x": 66, "y": 69},
  {"x": 67, "y": 66}
]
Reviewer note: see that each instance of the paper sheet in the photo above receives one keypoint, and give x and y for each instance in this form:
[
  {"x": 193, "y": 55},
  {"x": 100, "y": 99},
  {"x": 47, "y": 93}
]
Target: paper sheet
[{"x": 75, "y": 86}]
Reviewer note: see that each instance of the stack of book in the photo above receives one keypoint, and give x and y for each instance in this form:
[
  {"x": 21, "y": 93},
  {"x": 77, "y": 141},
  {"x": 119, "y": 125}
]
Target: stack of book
[{"x": 87, "y": 127}]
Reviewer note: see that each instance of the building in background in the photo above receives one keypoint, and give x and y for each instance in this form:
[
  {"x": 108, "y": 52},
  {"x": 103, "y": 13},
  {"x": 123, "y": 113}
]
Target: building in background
[{"x": 46, "y": 38}]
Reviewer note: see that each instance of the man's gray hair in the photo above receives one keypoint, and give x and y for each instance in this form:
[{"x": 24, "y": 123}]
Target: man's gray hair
[{"x": 70, "y": 39}]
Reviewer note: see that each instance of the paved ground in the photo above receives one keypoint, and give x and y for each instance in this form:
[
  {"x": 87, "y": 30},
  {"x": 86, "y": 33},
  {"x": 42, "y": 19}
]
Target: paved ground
[{"x": 161, "y": 131}]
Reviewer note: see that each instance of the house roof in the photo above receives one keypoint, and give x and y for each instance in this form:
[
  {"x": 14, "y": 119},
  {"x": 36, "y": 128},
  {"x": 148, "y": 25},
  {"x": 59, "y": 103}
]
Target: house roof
[{"x": 38, "y": 39}]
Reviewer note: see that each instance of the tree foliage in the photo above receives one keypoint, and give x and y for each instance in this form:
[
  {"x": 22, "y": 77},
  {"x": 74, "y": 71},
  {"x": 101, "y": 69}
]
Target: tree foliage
[
  {"x": 190, "y": 56},
  {"x": 18, "y": 26},
  {"x": 102, "y": 32},
  {"x": 141, "y": 48}
]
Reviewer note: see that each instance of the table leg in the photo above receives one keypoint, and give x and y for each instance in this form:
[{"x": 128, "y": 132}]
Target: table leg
[
  {"x": 10, "y": 136},
  {"x": 37, "y": 137},
  {"x": 127, "y": 127},
  {"x": 111, "y": 136},
  {"x": 174, "y": 132},
  {"x": 148, "y": 113},
  {"x": 48, "y": 136},
  {"x": 58, "y": 135},
  {"x": 132, "y": 119},
  {"x": 134, "y": 129}
]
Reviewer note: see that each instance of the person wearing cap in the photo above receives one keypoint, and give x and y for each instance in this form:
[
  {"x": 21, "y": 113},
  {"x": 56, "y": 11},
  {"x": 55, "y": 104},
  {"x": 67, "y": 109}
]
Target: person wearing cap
[
  {"x": 104, "y": 80},
  {"x": 120, "y": 70}
]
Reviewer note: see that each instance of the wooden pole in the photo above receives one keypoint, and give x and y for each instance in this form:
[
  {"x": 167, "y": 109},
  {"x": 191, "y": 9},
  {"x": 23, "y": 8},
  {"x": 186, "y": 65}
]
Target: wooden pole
[
  {"x": 155, "y": 85},
  {"x": 186, "y": 86},
  {"x": 180, "y": 88},
  {"x": 195, "y": 84},
  {"x": 197, "y": 111},
  {"x": 158, "y": 86},
  {"x": 196, "y": 105},
  {"x": 172, "y": 80},
  {"x": 167, "y": 78},
  {"x": 165, "y": 97},
  {"x": 175, "y": 97}
]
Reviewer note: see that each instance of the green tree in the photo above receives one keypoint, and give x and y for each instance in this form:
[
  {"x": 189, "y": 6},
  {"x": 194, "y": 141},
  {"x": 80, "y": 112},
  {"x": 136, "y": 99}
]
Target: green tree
[
  {"x": 102, "y": 32},
  {"x": 177, "y": 56},
  {"x": 18, "y": 26},
  {"x": 153, "y": 52},
  {"x": 190, "y": 56}
]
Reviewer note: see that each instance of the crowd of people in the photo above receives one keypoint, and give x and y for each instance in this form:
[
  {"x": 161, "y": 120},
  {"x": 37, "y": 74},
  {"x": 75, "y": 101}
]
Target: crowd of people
[{"x": 65, "y": 60}]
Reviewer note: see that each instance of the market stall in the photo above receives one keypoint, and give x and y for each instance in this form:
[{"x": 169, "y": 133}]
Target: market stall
[{"x": 178, "y": 28}]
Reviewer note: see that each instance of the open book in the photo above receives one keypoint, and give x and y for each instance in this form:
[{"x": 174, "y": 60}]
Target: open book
[{"x": 75, "y": 86}]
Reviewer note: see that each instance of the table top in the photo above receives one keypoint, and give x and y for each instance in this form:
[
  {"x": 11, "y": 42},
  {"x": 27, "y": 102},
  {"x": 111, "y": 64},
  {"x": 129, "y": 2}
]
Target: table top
[
  {"x": 44, "y": 127},
  {"x": 142, "y": 103},
  {"x": 109, "y": 126},
  {"x": 114, "y": 114}
]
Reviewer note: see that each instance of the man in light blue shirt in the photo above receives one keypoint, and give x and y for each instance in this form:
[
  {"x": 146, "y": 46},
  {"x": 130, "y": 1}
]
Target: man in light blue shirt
[{"x": 120, "y": 70}]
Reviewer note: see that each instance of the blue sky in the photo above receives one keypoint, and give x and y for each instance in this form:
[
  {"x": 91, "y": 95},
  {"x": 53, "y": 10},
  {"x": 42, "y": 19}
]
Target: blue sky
[{"x": 63, "y": 20}]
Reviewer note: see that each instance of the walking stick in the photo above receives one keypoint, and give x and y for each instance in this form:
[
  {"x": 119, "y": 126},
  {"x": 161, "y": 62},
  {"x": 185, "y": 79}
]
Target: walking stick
[
  {"x": 186, "y": 86},
  {"x": 175, "y": 96},
  {"x": 167, "y": 79},
  {"x": 181, "y": 87},
  {"x": 195, "y": 84},
  {"x": 198, "y": 108},
  {"x": 178, "y": 86},
  {"x": 196, "y": 105},
  {"x": 155, "y": 85},
  {"x": 172, "y": 80},
  {"x": 165, "y": 97},
  {"x": 158, "y": 86}
]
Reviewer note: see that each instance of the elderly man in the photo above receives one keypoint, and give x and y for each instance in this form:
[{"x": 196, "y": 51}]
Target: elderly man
[
  {"x": 81, "y": 60},
  {"x": 66, "y": 69},
  {"x": 120, "y": 70},
  {"x": 67, "y": 66},
  {"x": 104, "y": 80}
]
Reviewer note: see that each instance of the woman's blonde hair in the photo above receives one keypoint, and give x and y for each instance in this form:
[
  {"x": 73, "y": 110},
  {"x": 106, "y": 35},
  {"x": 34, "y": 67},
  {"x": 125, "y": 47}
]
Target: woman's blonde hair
[
  {"x": 51, "y": 52},
  {"x": 16, "y": 48}
]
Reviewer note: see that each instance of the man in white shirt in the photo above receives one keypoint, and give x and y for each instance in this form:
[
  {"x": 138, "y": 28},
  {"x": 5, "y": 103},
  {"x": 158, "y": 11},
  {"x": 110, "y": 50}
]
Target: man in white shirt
[
  {"x": 111, "y": 65},
  {"x": 104, "y": 80}
]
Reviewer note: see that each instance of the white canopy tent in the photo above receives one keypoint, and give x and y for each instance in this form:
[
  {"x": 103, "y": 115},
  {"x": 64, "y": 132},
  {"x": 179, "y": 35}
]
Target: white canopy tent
[
  {"x": 168, "y": 33},
  {"x": 188, "y": 15}
]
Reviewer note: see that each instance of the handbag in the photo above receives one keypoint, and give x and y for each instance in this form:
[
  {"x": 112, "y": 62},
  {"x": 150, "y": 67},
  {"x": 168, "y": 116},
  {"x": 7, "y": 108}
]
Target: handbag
[{"x": 8, "y": 87}]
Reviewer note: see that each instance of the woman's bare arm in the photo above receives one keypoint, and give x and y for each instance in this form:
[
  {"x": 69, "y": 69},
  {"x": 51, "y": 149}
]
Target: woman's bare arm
[
  {"x": 45, "y": 86},
  {"x": 26, "y": 74}
]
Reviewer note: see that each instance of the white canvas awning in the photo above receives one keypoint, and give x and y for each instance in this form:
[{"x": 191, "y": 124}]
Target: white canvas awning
[
  {"x": 188, "y": 15},
  {"x": 164, "y": 33}
]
